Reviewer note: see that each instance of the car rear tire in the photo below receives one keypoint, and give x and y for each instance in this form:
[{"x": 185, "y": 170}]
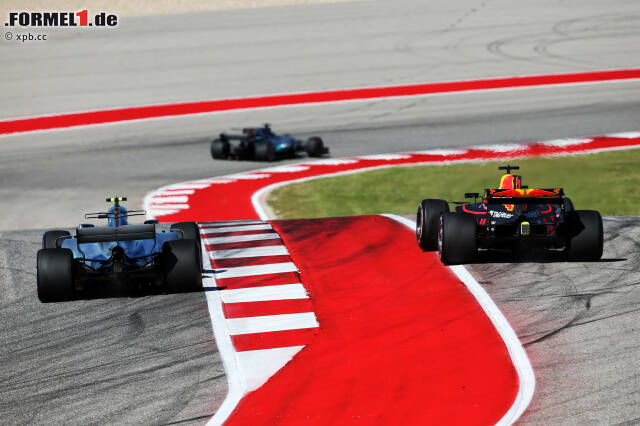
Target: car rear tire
[
  {"x": 264, "y": 151},
  {"x": 428, "y": 223},
  {"x": 567, "y": 204},
  {"x": 50, "y": 238},
  {"x": 55, "y": 275},
  {"x": 181, "y": 266},
  {"x": 314, "y": 147},
  {"x": 220, "y": 149},
  {"x": 457, "y": 238},
  {"x": 586, "y": 236},
  {"x": 190, "y": 231}
]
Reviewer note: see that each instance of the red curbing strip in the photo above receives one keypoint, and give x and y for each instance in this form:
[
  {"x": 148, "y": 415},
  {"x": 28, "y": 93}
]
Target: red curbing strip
[
  {"x": 266, "y": 307},
  {"x": 273, "y": 339},
  {"x": 187, "y": 108}
]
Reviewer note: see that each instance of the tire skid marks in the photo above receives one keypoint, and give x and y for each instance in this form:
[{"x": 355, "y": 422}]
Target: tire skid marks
[
  {"x": 173, "y": 199},
  {"x": 268, "y": 314}
]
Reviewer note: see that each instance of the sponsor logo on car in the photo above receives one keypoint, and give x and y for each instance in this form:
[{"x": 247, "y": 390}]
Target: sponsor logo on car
[{"x": 501, "y": 215}]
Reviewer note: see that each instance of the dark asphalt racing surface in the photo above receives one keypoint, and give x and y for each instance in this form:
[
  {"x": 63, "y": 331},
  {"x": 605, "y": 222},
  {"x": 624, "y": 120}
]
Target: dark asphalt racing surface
[
  {"x": 147, "y": 360},
  {"x": 153, "y": 360}
]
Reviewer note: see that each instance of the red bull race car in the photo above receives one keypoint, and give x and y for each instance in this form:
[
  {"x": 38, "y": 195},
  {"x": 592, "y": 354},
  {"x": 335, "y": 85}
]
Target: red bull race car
[
  {"x": 149, "y": 255},
  {"x": 511, "y": 217}
]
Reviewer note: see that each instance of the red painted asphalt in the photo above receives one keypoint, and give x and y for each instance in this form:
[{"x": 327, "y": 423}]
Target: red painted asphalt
[
  {"x": 401, "y": 339},
  {"x": 58, "y": 121}
]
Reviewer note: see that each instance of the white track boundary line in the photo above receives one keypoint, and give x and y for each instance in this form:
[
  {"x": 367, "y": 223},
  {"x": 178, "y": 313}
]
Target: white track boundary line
[
  {"x": 527, "y": 379},
  {"x": 236, "y": 381}
]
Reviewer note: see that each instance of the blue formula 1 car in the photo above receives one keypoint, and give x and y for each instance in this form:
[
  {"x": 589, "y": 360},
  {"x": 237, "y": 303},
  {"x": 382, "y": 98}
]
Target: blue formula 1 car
[
  {"x": 165, "y": 257},
  {"x": 511, "y": 218},
  {"x": 260, "y": 143}
]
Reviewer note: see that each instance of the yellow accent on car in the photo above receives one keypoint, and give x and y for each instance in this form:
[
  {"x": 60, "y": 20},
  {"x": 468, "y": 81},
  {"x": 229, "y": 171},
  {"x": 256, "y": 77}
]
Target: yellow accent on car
[{"x": 525, "y": 228}]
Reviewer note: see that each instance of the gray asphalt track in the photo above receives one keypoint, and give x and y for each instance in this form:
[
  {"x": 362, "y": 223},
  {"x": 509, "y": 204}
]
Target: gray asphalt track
[
  {"x": 153, "y": 359},
  {"x": 579, "y": 325},
  {"x": 147, "y": 360}
]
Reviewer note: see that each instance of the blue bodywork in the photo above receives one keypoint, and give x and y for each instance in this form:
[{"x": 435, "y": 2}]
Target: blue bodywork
[
  {"x": 281, "y": 144},
  {"x": 138, "y": 252}
]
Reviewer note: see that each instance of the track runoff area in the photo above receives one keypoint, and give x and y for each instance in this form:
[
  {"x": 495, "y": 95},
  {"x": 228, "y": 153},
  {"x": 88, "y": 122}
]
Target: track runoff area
[{"x": 331, "y": 320}]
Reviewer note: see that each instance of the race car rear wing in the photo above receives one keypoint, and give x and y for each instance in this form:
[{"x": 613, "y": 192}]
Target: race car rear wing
[
  {"x": 121, "y": 233},
  {"x": 524, "y": 196},
  {"x": 107, "y": 215}
]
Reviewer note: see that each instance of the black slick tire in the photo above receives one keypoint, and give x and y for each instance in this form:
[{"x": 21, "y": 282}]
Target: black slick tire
[
  {"x": 220, "y": 149},
  {"x": 264, "y": 151},
  {"x": 586, "y": 236},
  {"x": 189, "y": 231},
  {"x": 457, "y": 238},
  {"x": 314, "y": 147},
  {"x": 428, "y": 223},
  {"x": 181, "y": 266},
  {"x": 50, "y": 238},
  {"x": 55, "y": 275},
  {"x": 567, "y": 204}
]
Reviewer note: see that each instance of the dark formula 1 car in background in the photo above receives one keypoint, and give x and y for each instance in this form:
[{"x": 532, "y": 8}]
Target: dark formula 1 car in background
[
  {"x": 119, "y": 255},
  {"x": 260, "y": 143},
  {"x": 510, "y": 217}
]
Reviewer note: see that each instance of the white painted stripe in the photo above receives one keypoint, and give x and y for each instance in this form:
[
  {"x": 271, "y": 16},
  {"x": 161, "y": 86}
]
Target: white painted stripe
[
  {"x": 331, "y": 162},
  {"x": 263, "y": 293},
  {"x": 441, "y": 152},
  {"x": 155, "y": 205},
  {"x": 188, "y": 185},
  {"x": 175, "y": 192},
  {"x": 527, "y": 380},
  {"x": 499, "y": 147},
  {"x": 268, "y": 323},
  {"x": 249, "y": 271},
  {"x": 384, "y": 157},
  {"x": 241, "y": 238},
  {"x": 247, "y": 176},
  {"x": 258, "y": 366},
  {"x": 567, "y": 141},
  {"x": 285, "y": 169},
  {"x": 250, "y": 252},
  {"x": 220, "y": 181},
  {"x": 153, "y": 211},
  {"x": 230, "y": 223},
  {"x": 165, "y": 199},
  {"x": 222, "y": 229},
  {"x": 236, "y": 380},
  {"x": 625, "y": 135}
]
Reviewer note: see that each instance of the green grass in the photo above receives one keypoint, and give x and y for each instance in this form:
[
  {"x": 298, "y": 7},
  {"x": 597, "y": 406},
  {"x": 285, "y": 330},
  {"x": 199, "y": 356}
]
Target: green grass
[{"x": 607, "y": 182}]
